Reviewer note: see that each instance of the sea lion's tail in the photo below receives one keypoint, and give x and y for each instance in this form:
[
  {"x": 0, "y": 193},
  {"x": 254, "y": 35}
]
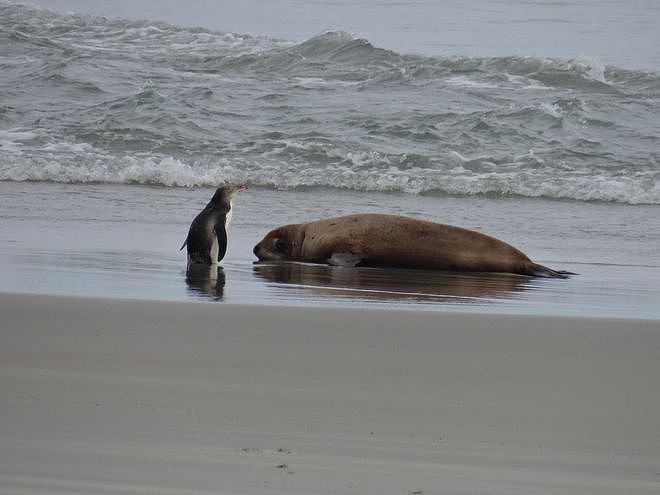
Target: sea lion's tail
[{"x": 543, "y": 271}]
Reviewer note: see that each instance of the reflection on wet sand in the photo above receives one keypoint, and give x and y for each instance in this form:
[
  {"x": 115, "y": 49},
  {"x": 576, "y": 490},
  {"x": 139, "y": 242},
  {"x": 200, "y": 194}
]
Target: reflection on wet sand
[
  {"x": 392, "y": 284},
  {"x": 206, "y": 280}
]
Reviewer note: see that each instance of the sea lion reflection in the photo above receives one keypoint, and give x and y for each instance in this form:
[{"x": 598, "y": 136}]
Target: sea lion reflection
[{"x": 393, "y": 284}]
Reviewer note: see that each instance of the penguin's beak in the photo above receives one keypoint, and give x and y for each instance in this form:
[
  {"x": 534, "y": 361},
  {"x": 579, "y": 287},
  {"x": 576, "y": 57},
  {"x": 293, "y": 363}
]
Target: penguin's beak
[{"x": 233, "y": 190}]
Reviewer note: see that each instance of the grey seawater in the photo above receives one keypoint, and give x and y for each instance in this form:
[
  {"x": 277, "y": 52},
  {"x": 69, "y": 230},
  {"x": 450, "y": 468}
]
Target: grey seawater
[
  {"x": 538, "y": 123},
  {"x": 618, "y": 33},
  {"x": 105, "y": 99},
  {"x": 123, "y": 241}
]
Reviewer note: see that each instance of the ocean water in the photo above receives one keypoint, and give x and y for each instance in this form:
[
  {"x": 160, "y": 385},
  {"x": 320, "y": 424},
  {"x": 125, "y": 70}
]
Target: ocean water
[
  {"x": 92, "y": 99},
  {"x": 123, "y": 241},
  {"x": 538, "y": 123}
]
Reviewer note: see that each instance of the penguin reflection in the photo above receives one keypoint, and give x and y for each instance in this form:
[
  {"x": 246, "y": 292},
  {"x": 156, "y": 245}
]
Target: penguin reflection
[{"x": 206, "y": 281}]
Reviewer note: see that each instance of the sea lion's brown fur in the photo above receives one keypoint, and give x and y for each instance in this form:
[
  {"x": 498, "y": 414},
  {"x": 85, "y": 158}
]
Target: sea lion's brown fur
[{"x": 395, "y": 241}]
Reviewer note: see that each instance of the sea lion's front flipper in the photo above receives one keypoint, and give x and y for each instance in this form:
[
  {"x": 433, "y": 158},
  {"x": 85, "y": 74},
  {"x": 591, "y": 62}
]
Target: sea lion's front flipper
[{"x": 345, "y": 259}]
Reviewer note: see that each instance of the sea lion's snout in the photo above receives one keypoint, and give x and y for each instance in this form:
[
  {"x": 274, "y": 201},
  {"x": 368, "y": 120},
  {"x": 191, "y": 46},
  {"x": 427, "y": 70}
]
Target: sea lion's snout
[
  {"x": 272, "y": 248},
  {"x": 264, "y": 253}
]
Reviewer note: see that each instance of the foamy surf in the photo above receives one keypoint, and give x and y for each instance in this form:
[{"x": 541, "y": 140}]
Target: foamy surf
[{"x": 93, "y": 99}]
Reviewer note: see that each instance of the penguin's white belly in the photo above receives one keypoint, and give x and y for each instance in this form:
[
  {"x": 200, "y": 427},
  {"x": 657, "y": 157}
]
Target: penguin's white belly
[
  {"x": 228, "y": 218},
  {"x": 214, "y": 249}
]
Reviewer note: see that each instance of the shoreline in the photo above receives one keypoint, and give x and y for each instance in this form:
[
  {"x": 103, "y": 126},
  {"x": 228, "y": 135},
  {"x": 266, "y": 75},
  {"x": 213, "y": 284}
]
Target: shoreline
[
  {"x": 317, "y": 306},
  {"x": 107, "y": 395},
  {"x": 132, "y": 236}
]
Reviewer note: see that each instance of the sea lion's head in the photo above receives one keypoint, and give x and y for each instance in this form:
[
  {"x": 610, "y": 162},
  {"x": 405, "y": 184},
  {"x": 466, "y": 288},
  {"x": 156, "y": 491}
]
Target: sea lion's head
[{"x": 281, "y": 244}]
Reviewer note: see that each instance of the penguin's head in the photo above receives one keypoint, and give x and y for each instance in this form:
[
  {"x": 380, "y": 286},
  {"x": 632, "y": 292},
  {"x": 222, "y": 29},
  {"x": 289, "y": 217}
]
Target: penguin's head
[{"x": 223, "y": 196}]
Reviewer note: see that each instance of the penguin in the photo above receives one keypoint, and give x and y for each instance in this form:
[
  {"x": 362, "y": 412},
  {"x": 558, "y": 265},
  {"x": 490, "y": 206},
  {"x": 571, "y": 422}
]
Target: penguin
[{"x": 207, "y": 237}]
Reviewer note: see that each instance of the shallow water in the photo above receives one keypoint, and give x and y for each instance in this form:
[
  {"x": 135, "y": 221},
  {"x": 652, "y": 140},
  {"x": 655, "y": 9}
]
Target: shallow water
[
  {"x": 534, "y": 122},
  {"x": 123, "y": 241}
]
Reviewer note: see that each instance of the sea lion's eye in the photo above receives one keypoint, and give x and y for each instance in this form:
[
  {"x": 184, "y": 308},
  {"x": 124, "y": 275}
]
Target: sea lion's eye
[{"x": 280, "y": 246}]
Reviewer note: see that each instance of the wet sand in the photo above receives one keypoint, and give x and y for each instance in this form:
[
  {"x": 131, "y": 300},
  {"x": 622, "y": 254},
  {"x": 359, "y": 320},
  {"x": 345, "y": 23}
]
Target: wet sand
[
  {"x": 126, "y": 396},
  {"x": 108, "y": 240}
]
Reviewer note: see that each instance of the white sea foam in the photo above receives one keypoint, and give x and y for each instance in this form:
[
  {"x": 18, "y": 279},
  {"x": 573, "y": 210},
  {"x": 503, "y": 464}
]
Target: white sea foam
[
  {"x": 551, "y": 109},
  {"x": 524, "y": 82},
  {"x": 178, "y": 106},
  {"x": 468, "y": 82},
  {"x": 12, "y": 140},
  {"x": 321, "y": 83},
  {"x": 357, "y": 172},
  {"x": 64, "y": 147},
  {"x": 592, "y": 66}
]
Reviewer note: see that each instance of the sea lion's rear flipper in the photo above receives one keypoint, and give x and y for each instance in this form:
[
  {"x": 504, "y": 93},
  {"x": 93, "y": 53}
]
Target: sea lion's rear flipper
[
  {"x": 344, "y": 259},
  {"x": 543, "y": 271}
]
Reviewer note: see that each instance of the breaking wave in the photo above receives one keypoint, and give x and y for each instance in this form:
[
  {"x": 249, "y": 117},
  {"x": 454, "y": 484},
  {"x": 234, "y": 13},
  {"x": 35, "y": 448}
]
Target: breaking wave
[{"x": 89, "y": 99}]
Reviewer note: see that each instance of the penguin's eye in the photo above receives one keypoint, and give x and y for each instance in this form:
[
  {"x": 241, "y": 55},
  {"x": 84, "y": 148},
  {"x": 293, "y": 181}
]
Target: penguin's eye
[{"x": 280, "y": 246}]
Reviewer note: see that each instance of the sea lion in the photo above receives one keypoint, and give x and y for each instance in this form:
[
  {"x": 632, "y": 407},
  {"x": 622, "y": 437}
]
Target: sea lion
[
  {"x": 207, "y": 237},
  {"x": 398, "y": 242}
]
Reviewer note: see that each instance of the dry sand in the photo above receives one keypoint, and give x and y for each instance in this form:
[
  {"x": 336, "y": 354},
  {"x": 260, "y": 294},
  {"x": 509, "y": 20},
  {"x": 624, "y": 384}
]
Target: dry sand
[{"x": 110, "y": 396}]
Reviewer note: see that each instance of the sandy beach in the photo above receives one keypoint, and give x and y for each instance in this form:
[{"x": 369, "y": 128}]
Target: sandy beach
[
  {"x": 124, "y": 396},
  {"x": 122, "y": 372},
  {"x": 119, "y": 373}
]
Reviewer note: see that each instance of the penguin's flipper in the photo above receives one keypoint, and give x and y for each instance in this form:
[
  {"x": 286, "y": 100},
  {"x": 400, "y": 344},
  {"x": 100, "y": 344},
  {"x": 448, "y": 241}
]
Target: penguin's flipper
[
  {"x": 221, "y": 234},
  {"x": 192, "y": 228}
]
